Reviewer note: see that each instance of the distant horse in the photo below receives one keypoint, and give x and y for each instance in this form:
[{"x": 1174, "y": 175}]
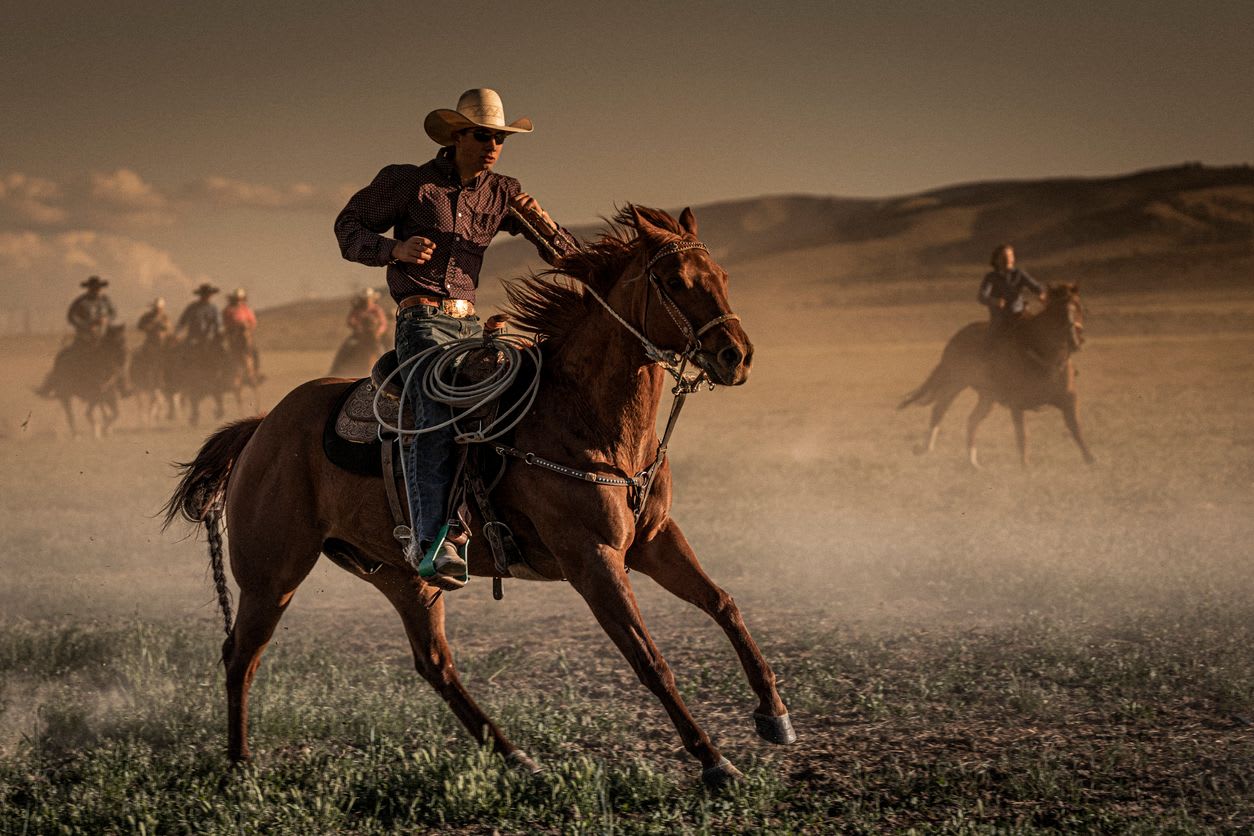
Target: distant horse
[
  {"x": 241, "y": 351},
  {"x": 150, "y": 379},
  {"x": 356, "y": 355},
  {"x": 285, "y": 503},
  {"x": 1025, "y": 365},
  {"x": 92, "y": 372},
  {"x": 199, "y": 370}
]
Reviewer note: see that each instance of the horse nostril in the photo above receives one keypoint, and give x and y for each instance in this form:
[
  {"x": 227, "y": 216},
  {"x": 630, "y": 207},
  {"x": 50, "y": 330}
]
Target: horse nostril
[{"x": 730, "y": 357}]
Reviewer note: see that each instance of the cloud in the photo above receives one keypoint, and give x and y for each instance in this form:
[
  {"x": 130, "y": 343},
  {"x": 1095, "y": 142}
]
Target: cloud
[
  {"x": 30, "y": 200},
  {"x": 126, "y": 190},
  {"x": 42, "y": 270},
  {"x": 226, "y": 192}
]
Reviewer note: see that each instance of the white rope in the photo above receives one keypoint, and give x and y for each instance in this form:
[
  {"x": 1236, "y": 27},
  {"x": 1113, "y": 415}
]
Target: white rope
[{"x": 437, "y": 385}]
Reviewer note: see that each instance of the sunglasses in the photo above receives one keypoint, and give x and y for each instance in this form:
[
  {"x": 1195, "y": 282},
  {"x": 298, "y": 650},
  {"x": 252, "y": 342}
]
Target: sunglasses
[{"x": 486, "y": 136}]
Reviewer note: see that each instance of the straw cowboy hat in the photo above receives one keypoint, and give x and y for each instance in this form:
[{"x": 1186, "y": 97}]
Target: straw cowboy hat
[
  {"x": 369, "y": 294},
  {"x": 478, "y": 108},
  {"x": 237, "y": 294},
  {"x": 205, "y": 289},
  {"x": 93, "y": 281}
]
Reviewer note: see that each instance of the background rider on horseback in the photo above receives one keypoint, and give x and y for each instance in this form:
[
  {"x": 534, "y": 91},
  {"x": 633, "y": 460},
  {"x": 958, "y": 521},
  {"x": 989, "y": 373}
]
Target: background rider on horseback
[
  {"x": 89, "y": 314},
  {"x": 155, "y": 324},
  {"x": 1003, "y": 289},
  {"x": 239, "y": 326},
  {"x": 443, "y": 214},
  {"x": 366, "y": 320},
  {"x": 199, "y": 320}
]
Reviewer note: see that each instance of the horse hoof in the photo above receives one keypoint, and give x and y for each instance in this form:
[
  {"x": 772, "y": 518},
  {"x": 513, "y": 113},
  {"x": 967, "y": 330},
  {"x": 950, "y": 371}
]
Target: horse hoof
[
  {"x": 522, "y": 762},
  {"x": 721, "y": 775},
  {"x": 775, "y": 729}
]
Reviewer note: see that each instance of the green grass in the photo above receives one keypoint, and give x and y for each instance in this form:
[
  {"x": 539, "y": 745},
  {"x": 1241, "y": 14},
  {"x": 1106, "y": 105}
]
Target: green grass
[{"x": 1024, "y": 728}]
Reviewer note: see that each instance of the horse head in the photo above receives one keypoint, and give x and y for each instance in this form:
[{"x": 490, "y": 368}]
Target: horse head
[
  {"x": 682, "y": 302},
  {"x": 1065, "y": 298}
]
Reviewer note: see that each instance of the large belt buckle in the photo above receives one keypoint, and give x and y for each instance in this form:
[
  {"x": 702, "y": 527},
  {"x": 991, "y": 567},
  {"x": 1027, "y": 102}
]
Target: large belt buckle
[{"x": 459, "y": 307}]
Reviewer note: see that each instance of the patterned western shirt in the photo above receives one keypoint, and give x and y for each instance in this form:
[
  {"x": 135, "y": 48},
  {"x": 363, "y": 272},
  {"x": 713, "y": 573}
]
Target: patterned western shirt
[
  {"x": 85, "y": 312},
  {"x": 1008, "y": 286},
  {"x": 430, "y": 200}
]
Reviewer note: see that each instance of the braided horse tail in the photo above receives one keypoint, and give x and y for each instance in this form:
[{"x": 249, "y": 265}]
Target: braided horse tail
[{"x": 201, "y": 497}]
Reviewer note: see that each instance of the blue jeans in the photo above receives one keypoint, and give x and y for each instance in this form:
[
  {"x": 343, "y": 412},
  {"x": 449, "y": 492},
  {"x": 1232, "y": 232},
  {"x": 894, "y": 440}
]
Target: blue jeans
[{"x": 430, "y": 458}]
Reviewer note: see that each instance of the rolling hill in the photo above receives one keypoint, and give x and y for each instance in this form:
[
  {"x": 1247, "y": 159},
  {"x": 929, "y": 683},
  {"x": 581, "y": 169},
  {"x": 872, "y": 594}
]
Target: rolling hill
[{"x": 1188, "y": 226}]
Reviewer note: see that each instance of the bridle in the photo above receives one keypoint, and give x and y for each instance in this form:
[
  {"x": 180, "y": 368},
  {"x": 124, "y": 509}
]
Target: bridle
[{"x": 674, "y": 362}]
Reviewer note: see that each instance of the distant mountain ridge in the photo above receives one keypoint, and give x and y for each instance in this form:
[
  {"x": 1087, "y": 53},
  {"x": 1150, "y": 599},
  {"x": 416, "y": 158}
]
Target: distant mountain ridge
[{"x": 1150, "y": 229}]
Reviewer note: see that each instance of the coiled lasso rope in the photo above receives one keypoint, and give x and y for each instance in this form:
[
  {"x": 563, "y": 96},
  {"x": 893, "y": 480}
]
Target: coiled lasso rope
[{"x": 439, "y": 385}]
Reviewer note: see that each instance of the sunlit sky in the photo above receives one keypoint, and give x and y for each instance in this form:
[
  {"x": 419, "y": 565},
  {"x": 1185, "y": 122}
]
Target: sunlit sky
[{"x": 160, "y": 144}]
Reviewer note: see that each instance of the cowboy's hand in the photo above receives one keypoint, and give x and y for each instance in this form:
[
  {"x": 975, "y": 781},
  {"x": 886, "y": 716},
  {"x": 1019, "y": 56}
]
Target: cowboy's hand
[
  {"x": 415, "y": 250},
  {"x": 527, "y": 205}
]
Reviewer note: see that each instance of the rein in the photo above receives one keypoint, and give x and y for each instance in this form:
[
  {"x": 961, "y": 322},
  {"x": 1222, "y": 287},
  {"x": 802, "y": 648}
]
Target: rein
[{"x": 674, "y": 362}]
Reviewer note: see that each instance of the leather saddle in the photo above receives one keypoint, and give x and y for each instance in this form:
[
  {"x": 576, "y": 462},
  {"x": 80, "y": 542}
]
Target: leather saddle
[{"x": 353, "y": 439}]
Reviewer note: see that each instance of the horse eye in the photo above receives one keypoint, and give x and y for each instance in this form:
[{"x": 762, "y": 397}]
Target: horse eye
[{"x": 675, "y": 283}]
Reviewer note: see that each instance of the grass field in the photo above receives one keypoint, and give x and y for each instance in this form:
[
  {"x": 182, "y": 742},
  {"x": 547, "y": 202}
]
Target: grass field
[{"x": 1061, "y": 648}]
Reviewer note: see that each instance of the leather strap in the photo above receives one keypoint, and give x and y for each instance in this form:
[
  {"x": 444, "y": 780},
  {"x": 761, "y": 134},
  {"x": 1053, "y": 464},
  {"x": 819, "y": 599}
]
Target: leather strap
[{"x": 388, "y": 448}]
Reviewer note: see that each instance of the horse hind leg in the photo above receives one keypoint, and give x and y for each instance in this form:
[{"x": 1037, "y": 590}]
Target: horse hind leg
[
  {"x": 262, "y": 602},
  {"x": 982, "y": 408},
  {"x": 421, "y": 609},
  {"x": 940, "y": 406},
  {"x": 603, "y": 583},
  {"x": 671, "y": 562}
]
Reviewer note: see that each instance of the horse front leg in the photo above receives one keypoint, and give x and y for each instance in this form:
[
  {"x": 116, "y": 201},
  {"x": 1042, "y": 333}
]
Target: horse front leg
[
  {"x": 670, "y": 560},
  {"x": 1021, "y": 434},
  {"x": 602, "y": 581},
  {"x": 68, "y": 406},
  {"x": 421, "y": 608},
  {"x": 1071, "y": 414}
]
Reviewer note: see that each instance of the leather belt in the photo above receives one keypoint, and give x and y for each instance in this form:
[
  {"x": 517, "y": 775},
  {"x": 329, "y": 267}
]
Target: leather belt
[{"x": 459, "y": 308}]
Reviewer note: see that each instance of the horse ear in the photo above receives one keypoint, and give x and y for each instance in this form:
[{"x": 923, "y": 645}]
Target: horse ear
[
  {"x": 641, "y": 222},
  {"x": 688, "y": 221}
]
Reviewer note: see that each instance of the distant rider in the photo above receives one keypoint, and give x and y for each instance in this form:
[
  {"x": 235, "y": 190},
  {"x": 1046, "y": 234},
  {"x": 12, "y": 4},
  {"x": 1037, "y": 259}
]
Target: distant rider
[
  {"x": 1003, "y": 289},
  {"x": 199, "y": 320},
  {"x": 89, "y": 314},
  {"x": 366, "y": 320},
  {"x": 444, "y": 214},
  {"x": 155, "y": 324},
  {"x": 239, "y": 324}
]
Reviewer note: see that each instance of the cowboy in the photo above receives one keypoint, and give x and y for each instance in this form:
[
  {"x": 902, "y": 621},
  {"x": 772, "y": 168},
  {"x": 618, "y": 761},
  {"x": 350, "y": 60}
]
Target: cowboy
[
  {"x": 155, "y": 323},
  {"x": 89, "y": 314},
  {"x": 200, "y": 318},
  {"x": 1003, "y": 288},
  {"x": 366, "y": 319},
  {"x": 239, "y": 325},
  {"x": 443, "y": 215}
]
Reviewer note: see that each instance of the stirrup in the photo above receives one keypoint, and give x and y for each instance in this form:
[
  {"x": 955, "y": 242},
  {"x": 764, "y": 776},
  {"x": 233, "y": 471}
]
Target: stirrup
[{"x": 426, "y": 569}]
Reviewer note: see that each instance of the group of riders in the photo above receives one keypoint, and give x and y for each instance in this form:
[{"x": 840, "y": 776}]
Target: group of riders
[
  {"x": 201, "y": 333},
  {"x": 201, "y": 336}
]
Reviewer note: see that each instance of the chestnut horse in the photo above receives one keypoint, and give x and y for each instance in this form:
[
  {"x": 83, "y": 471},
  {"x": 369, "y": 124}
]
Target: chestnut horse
[
  {"x": 647, "y": 280},
  {"x": 1025, "y": 365}
]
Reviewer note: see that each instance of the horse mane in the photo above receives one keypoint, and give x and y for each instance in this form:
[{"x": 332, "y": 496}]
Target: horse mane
[{"x": 551, "y": 303}]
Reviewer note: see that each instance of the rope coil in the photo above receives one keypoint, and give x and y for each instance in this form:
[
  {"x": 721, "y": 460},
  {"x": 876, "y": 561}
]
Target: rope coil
[{"x": 438, "y": 383}]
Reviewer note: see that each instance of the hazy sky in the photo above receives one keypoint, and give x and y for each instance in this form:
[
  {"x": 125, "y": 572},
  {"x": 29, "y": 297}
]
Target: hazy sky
[{"x": 159, "y": 143}]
